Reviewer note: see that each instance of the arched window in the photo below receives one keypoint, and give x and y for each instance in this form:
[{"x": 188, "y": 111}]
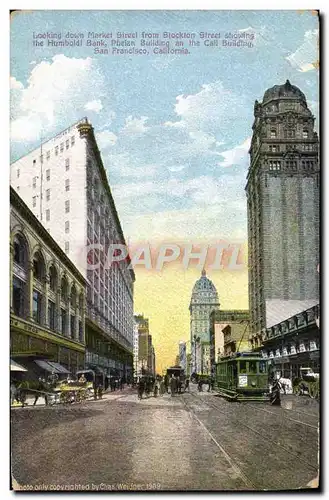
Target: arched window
[
  {"x": 64, "y": 289},
  {"x": 38, "y": 266},
  {"x": 81, "y": 302},
  {"x": 73, "y": 297},
  {"x": 20, "y": 251},
  {"x": 53, "y": 278},
  {"x": 19, "y": 290}
]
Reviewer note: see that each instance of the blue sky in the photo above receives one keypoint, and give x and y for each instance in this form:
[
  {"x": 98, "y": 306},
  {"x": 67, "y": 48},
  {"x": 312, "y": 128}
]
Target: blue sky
[{"x": 173, "y": 130}]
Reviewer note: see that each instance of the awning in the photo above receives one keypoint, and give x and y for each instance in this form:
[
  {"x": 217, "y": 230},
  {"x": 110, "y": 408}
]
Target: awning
[
  {"x": 51, "y": 366},
  {"x": 57, "y": 366},
  {"x": 15, "y": 367}
]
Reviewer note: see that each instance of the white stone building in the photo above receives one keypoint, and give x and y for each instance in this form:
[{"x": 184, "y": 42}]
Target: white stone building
[
  {"x": 64, "y": 183},
  {"x": 204, "y": 300}
]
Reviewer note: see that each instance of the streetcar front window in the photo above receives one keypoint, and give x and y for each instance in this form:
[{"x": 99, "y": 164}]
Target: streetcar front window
[
  {"x": 262, "y": 367},
  {"x": 243, "y": 367},
  {"x": 252, "y": 366}
]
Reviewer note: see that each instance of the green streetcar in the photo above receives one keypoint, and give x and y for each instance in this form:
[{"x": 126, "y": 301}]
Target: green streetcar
[{"x": 243, "y": 376}]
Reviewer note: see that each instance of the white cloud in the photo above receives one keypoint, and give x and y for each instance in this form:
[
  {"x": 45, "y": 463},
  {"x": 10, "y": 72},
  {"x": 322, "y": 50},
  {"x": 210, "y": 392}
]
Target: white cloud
[
  {"x": 106, "y": 139},
  {"x": 237, "y": 155},
  {"x": 55, "y": 90},
  {"x": 95, "y": 105},
  {"x": 135, "y": 125},
  {"x": 214, "y": 108},
  {"x": 15, "y": 84},
  {"x": 247, "y": 30},
  {"x": 176, "y": 168},
  {"x": 180, "y": 124},
  {"x": 305, "y": 58}
]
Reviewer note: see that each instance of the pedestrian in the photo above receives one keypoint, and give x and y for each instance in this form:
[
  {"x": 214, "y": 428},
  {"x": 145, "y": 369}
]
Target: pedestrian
[
  {"x": 140, "y": 388},
  {"x": 13, "y": 393},
  {"x": 200, "y": 384},
  {"x": 156, "y": 388},
  {"x": 166, "y": 384},
  {"x": 173, "y": 385},
  {"x": 275, "y": 396},
  {"x": 187, "y": 384}
]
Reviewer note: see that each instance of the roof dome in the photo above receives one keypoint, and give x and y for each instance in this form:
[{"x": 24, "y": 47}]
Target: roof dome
[
  {"x": 204, "y": 284},
  {"x": 286, "y": 90}
]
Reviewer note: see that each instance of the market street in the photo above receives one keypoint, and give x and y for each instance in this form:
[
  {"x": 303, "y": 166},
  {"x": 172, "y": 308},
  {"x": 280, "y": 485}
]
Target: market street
[{"x": 193, "y": 441}]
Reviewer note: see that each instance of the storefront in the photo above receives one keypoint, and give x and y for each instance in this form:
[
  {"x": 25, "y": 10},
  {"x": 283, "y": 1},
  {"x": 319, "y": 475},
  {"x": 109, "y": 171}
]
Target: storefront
[{"x": 31, "y": 344}]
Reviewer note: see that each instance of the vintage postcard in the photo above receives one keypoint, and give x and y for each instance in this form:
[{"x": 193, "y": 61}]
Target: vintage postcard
[{"x": 164, "y": 250}]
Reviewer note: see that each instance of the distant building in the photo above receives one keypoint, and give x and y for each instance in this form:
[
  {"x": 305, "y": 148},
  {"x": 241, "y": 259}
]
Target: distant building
[
  {"x": 182, "y": 355},
  {"x": 294, "y": 343},
  {"x": 135, "y": 348},
  {"x": 146, "y": 352},
  {"x": 236, "y": 338},
  {"x": 283, "y": 193},
  {"x": 204, "y": 300},
  {"x": 219, "y": 320}
]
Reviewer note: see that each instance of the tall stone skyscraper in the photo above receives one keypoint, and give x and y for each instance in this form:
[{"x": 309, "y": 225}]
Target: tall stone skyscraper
[
  {"x": 283, "y": 209},
  {"x": 204, "y": 300}
]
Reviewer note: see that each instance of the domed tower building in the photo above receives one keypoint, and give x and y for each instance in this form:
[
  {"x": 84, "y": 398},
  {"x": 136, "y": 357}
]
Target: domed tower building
[
  {"x": 204, "y": 300},
  {"x": 283, "y": 209}
]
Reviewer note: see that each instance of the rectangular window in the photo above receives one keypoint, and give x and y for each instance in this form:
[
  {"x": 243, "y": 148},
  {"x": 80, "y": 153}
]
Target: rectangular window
[
  {"x": 63, "y": 321},
  {"x": 273, "y": 134},
  {"x": 305, "y": 134},
  {"x": 34, "y": 182},
  {"x": 67, "y": 206},
  {"x": 275, "y": 165},
  {"x": 67, "y": 246},
  {"x": 18, "y": 172},
  {"x": 67, "y": 164},
  {"x": 48, "y": 175},
  {"x": 47, "y": 194},
  {"x": 72, "y": 140},
  {"x": 67, "y": 226},
  {"x": 34, "y": 162},
  {"x": 61, "y": 147},
  {"x": 67, "y": 143},
  {"x": 67, "y": 184},
  {"x": 72, "y": 325},
  {"x": 36, "y": 306},
  {"x": 34, "y": 201},
  {"x": 56, "y": 150},
  {"x": 51, "y": 315},
  {"x": 18, "y": 296},
  {"x": 48, "y": 155},
  {"x": 48, "y": 214}
]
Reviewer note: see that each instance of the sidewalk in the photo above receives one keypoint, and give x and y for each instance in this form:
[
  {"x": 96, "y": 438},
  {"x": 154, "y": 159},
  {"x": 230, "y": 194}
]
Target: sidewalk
[{"x": 107, "y": 396}]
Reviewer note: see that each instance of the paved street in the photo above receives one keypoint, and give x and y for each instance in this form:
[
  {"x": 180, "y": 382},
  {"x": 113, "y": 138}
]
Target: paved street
[{"x": 194, "y": 441}]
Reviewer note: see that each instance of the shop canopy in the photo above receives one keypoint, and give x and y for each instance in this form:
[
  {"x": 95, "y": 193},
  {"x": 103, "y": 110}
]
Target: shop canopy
[
  {"x": 51, "y": 366},
  {"x": 15, "y": 367}
]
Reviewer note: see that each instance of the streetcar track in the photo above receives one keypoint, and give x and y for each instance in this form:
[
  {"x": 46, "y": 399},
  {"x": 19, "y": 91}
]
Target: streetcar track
[
  {"x": 229, "y": 459},
  {"x": 290, "y": 410},
  {"x": 286, "y": 418},
  {"x": 263, "y": 436}
]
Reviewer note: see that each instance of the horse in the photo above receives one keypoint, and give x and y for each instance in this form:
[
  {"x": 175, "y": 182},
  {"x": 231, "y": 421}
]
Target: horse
[{"x": 35, "y": 388}]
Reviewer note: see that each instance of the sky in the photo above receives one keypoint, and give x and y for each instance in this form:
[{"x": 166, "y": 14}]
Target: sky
[{"x": 173, "y": 129}]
